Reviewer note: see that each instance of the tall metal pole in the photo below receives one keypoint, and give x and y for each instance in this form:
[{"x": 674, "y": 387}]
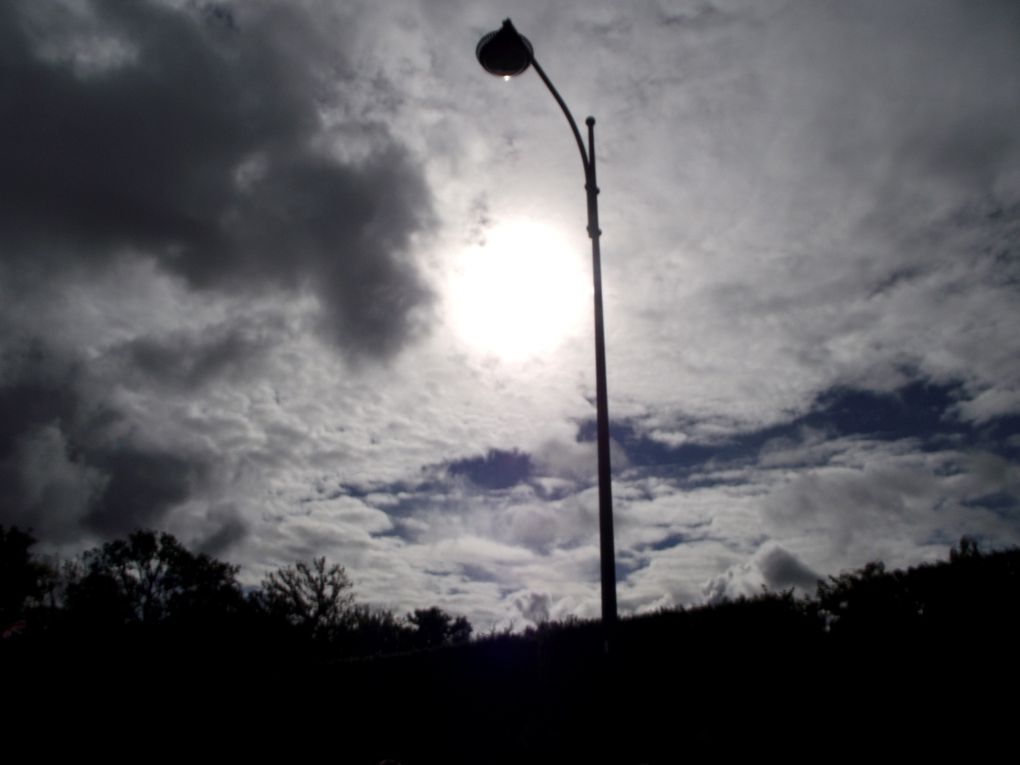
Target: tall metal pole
[
  {"x": 506, "y": 53},
  {"x": 607, "y": 550}
]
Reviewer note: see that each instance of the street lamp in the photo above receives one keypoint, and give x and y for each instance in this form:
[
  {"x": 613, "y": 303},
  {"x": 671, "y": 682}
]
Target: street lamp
[{"x": 506, "y": 53}]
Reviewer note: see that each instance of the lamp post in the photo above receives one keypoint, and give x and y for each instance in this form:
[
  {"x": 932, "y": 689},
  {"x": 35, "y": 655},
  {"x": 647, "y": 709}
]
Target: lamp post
[{"x": 506, "y": 53}]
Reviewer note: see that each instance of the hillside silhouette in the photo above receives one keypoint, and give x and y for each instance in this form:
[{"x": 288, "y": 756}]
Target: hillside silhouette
[{"x": 155, "y": 638}]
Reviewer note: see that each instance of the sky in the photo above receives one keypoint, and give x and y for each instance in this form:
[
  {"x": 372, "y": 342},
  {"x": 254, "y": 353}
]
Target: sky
[{"x": 300, "y": 279}]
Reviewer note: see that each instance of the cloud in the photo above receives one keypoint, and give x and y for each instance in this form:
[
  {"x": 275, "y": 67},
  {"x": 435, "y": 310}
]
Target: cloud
[
  {"x": 228, "y": 529},
  {"x": 842, "y": 197},
  {"x": 781, "y": 570},
  {"x": 45, "y": 488},
  {"x": 71, "y": 469},
  {"x": 187, "y": 360},
  {"x": 990, "y": 404},
  {"x": 142, "y": 486},
  {"x": 187, "y": 189},
  {"x": 809, "y": 446},
  {"x": 534, "y": 607},
  {"x": 198, "y": 136},
  {"x": 895, "y": 501},
  {"x": 771, "y": 567},
  {"x": 41, "y": 485}
]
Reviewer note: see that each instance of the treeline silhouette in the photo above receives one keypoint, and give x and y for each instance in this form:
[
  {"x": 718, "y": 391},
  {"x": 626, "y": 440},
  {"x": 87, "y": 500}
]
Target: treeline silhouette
[
  {"x": 149, "y": 589},
  {"x": 912, "y": 660}
]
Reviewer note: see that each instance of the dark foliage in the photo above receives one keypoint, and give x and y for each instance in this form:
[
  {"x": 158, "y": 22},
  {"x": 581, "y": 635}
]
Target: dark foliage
[
  {"x": 433, "y": 627},
  {"x": 875, "y": 656},
  {"x": 373, "y": 632},
  {"x": 972, "y": 597},
  {"x": 314, "y": 598},
  {"x": 23, "y": 580},
  {"x": 151, "y": 579}
]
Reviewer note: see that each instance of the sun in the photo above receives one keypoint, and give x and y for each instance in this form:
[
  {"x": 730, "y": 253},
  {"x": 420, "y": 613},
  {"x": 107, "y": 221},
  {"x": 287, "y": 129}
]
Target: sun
[{"x": 520, "y": 294}]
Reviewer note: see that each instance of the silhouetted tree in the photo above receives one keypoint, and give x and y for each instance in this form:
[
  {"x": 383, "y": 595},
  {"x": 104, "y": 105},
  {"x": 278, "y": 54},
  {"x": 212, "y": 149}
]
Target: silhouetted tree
[
  {"x": 434, "y": 627},
  {"x": 373, "y": 632},
  {"x": 151, "y": 578},
  {"x": 23, "y": 580},
  {"x": 316, "y": 598},
  {"x": 967, "y": 548}
]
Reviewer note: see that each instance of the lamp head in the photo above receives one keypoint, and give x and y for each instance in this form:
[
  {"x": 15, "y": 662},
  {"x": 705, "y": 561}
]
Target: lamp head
[{"x": 504, "y": 53}]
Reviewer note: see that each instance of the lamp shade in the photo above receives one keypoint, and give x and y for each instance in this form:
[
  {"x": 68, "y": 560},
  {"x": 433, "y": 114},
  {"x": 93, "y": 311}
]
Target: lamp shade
[{"x": 504, "y": 53}]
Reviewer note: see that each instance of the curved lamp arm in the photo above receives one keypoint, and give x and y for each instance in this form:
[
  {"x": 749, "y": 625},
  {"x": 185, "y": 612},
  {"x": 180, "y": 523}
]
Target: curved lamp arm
[{"x": 585, "y": 160}]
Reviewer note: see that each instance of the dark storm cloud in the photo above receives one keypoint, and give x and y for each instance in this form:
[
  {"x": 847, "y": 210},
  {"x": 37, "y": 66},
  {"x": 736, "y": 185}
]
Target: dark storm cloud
[
  {"x": 229, "y": 529},
  {"x": 143, "y": 486},
  {"x": 188, "y": 360},
  {"x": 70, "y": 465},
  {"x": 35, "y": 401},
  {"x": 34, "y": 390},
  {"x": 197, "y": 137},
  {"x": 782, "y": 570}
]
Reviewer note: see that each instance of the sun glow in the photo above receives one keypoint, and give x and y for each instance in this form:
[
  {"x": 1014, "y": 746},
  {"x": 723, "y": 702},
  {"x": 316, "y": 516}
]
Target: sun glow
[{"x": 522, "y": 293}]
